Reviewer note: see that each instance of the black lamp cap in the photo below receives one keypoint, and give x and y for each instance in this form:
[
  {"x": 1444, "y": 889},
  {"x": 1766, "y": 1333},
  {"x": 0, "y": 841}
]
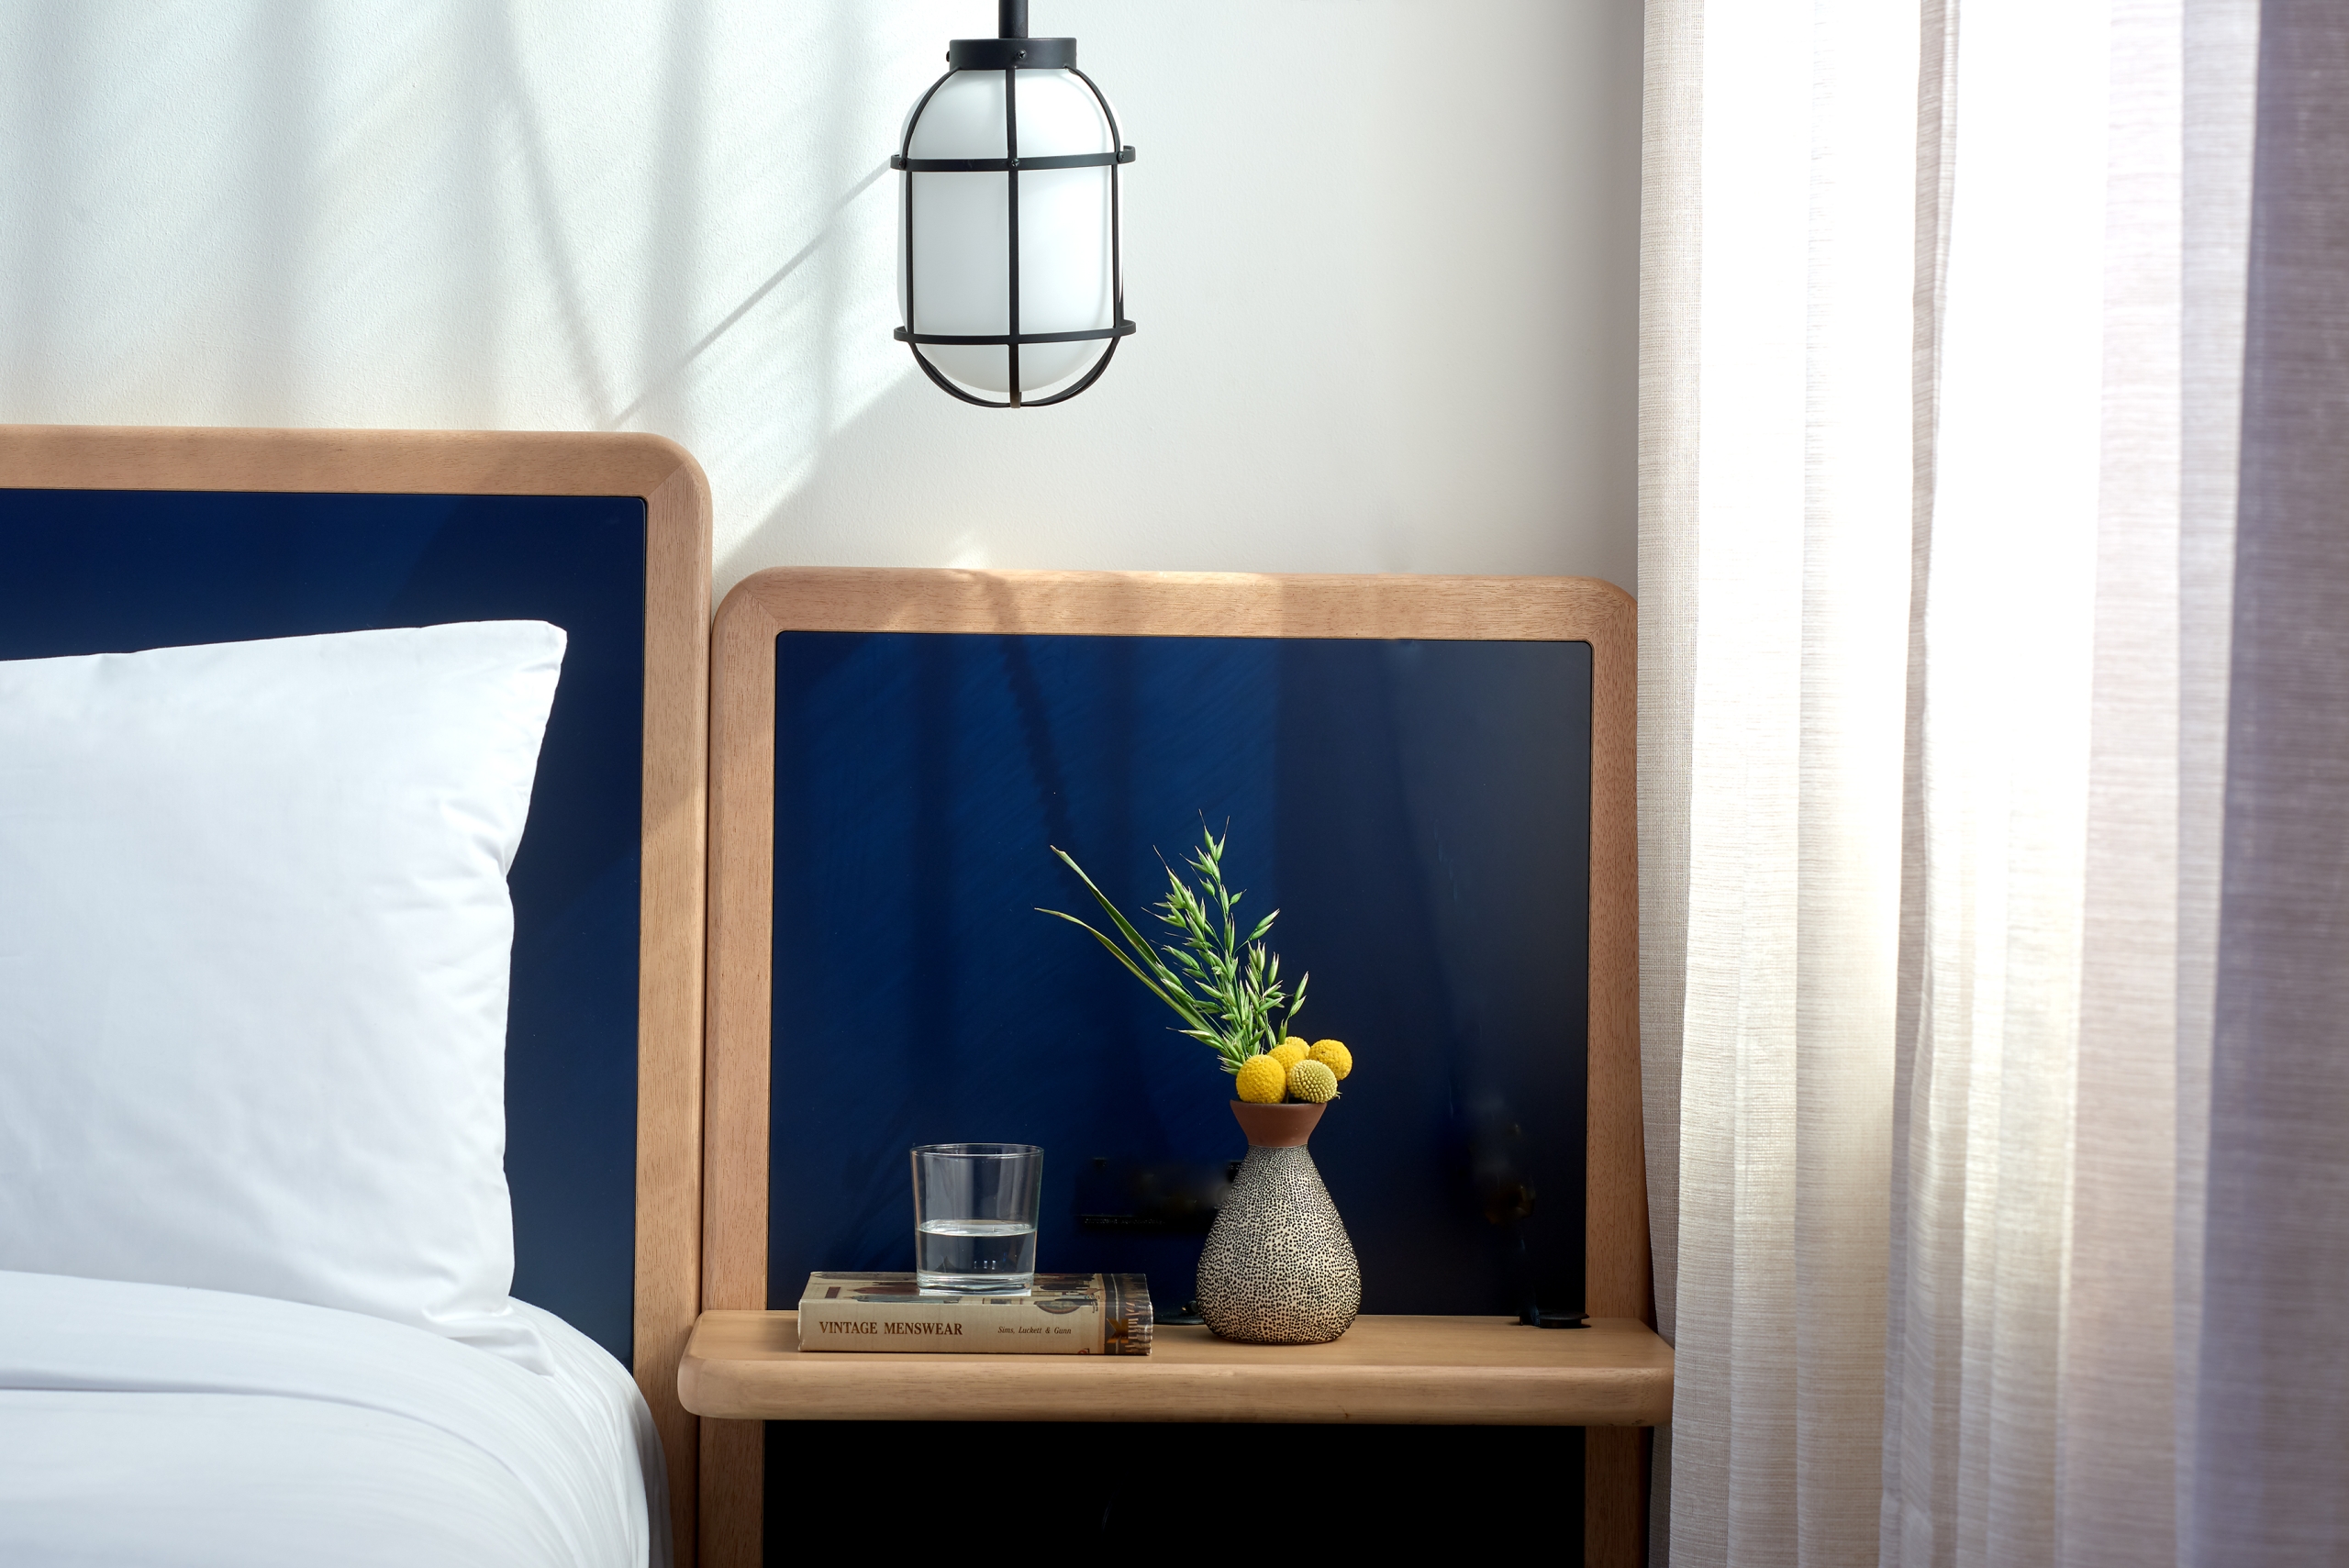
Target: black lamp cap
[{"x": 1012, "y": 54}]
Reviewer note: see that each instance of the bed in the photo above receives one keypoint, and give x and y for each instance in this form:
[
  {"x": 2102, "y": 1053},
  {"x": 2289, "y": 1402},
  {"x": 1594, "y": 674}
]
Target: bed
[{"x": 260, "y": 1299}]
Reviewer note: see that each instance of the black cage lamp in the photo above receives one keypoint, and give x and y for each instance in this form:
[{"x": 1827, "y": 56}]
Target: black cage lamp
[{"x": 1007, "y": 264}]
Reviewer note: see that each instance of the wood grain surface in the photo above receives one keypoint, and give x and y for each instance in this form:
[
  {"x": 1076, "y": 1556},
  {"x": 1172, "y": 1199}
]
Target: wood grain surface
[
  {"x": 1151, "y": 605},
  {"x": 1391, "y": 1369},
  {"x": 676, "y": 682}
]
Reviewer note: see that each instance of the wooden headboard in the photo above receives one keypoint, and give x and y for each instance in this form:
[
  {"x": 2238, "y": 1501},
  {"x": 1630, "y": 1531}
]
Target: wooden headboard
[{"x": 117, "y": 539}]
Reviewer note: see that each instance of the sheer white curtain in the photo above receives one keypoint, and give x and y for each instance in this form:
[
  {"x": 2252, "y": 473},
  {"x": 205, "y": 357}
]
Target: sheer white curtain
[
  {"x": 1943, "y": 346},
  {"x": 1774, "y": 579}
]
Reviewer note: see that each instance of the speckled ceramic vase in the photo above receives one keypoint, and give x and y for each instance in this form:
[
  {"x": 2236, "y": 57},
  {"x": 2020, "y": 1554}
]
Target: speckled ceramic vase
[{"x": 1278, "y": 1269}]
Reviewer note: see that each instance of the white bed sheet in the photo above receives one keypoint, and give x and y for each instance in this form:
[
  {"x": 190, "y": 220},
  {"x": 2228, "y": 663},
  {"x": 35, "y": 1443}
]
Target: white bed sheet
[{"x": 158, "y": 1425}]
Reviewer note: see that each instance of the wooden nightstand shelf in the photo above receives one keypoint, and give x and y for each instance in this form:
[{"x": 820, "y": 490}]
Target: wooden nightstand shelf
[
  {"x": 1400, "y": 1371},
  {"x": 1612, "y": 1380}
]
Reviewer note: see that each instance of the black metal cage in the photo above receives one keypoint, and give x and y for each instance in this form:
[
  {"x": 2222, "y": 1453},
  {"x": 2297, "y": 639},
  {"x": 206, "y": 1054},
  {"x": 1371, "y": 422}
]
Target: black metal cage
[{"x": 1011, "y": 53}]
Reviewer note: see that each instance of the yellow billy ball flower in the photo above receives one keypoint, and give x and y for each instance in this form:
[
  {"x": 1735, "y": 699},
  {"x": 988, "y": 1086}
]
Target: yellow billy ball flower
[
  {"x": 1289, "y": 1053},
  {"x": 1261, "y": 1081},
  {"x": 1333, "y": 1056},
  {"x": 1313, "y": 1083}
]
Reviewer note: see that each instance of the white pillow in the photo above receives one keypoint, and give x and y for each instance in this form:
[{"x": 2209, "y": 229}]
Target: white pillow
[{"x": 254, "y": 948}]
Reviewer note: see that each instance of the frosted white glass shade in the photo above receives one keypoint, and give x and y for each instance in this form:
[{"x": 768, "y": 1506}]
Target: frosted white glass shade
[{"x": 959, "y": 257}]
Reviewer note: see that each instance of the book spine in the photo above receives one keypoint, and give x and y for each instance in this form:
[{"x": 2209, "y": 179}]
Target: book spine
[
  {"x": 1131, "y": 1324},
  {"x": 1105, "y": 1315},
  {"x": 965, "y": 1327}
]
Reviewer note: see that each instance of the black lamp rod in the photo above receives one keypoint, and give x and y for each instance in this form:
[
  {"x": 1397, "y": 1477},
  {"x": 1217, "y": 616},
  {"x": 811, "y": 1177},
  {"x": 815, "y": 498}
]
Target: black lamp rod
[{"x": 1011, "y": 19}]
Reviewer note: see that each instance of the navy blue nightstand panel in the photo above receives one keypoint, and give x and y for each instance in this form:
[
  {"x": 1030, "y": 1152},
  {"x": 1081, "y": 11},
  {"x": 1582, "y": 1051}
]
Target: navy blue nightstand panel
[
  {"x": 92, "y": 572},
  {"x": 1418, "y": 812}
]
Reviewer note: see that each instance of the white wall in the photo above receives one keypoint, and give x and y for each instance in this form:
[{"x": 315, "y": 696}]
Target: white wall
[{"x": 1383, "y": 256}]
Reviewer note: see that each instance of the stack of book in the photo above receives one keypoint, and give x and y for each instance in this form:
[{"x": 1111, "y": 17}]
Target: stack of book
[{"x": 1063, "y": 1315}]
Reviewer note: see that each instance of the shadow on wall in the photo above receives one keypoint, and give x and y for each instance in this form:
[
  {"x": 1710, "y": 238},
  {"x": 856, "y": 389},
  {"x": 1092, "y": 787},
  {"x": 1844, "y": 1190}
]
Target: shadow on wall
[
  {"x": 433, "y": 214},
  {"x": 1388, "y": 302}
]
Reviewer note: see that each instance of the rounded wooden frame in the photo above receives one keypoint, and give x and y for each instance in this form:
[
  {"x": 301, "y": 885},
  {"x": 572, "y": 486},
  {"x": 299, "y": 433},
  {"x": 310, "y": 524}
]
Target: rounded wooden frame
[
  {"x": 676, "y": 683},
  {"x": 742, "y": 718}
]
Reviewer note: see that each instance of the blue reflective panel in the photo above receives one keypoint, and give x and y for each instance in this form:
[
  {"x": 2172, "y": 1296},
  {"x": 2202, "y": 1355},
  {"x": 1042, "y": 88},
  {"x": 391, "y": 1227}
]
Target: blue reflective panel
[
  {"x": 1418, "y": 812},
  {"x": 91, "y": 572}
]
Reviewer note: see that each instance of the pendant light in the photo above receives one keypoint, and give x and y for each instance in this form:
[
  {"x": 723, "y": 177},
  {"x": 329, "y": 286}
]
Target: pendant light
[{"x": 1007, "y": 264}]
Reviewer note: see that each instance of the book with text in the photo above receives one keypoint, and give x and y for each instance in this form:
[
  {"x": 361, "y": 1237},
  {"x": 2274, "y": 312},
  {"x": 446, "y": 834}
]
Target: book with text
[{"x": 1066, "y": 1315}]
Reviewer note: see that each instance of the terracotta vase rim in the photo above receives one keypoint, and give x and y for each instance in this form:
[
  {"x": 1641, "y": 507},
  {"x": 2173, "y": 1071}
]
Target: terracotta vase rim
[{"x": 1276, "y": 1127}]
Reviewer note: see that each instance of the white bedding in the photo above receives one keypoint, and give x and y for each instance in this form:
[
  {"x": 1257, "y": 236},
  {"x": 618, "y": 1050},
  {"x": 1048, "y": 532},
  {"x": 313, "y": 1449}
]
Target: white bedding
[{"x": 158, "y": 1425}]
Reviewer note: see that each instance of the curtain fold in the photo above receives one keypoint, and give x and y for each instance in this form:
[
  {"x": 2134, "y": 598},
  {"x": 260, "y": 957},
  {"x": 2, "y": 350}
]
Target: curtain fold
[
  {"x": 2220, "y": 74},
  {"x": 1671, "y": 240},
  {"x": 1976, "y": 801},
  {"x": 1776, "y": 425},
  {"x": 2008, "y": 536},
  {"x": 2272, "y": 1438}
]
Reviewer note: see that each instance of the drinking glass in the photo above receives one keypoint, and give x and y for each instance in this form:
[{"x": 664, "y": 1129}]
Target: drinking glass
[{"x": 974, "y": 1216}]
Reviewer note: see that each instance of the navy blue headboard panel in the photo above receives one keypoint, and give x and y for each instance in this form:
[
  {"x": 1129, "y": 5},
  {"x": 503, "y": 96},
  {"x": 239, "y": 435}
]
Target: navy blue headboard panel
[
  {"x": 1419, "y": 812},
  {"x": 93, "y": 571}
]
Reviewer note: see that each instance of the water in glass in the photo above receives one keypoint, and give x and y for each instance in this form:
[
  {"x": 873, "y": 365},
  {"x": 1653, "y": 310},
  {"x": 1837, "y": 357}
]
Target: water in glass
[{"x": 976, "y": 1254}]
